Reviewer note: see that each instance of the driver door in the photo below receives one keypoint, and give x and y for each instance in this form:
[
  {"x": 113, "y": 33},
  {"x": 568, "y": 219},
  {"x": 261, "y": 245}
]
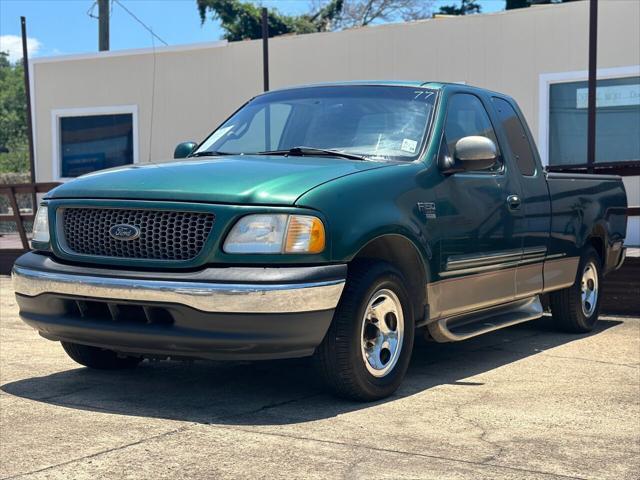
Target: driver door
[{"x": 475, "y": 222}]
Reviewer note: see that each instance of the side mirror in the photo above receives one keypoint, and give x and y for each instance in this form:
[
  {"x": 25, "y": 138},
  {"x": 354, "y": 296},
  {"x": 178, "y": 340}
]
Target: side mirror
[
  {"x": 184, "y": 149},
  {"x": 475, "y": 153}
]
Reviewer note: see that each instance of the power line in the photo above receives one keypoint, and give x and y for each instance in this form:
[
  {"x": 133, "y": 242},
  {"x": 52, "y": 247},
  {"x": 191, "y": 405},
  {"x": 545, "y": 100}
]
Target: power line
[
  {"x": 140, "y": 21},
  {"x": 91, "y": 10}
]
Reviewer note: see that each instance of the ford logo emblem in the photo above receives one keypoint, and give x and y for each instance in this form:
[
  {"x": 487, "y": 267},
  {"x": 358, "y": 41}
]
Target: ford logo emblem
[{"x": 124, "y": 232}]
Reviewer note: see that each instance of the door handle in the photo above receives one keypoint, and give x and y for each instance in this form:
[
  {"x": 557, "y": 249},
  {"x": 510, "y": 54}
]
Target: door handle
[{"x": 514, "y": 202}]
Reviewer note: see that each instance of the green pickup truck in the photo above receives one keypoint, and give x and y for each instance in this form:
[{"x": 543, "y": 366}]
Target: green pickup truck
[{"x": 333, "y": 221}]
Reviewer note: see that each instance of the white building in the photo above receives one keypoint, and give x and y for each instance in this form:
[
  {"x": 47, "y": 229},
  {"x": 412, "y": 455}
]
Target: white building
[{"x": 112, "y": 108}]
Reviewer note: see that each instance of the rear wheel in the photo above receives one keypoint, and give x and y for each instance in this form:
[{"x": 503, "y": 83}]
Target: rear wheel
[
  {"x": 366, "y": 352},
  {"x": 576, "y": 308},
  {"x": 99, "y": 358}
]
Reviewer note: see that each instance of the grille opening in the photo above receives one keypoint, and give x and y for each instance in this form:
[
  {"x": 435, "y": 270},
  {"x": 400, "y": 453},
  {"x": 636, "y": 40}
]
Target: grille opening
[
  {"x": 162, "y": 234},
  {"x": 71, "y": 308},
  {"x": 90, "y": 309},
  {"x": 119, "y": 312},
  {"x": 127, "y": 313},
  {"x": 157, "y": 315}
]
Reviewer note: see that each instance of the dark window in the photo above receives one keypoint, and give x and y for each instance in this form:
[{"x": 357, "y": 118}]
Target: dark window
[
  {"x": 617, "y": 121},
  {"x": 466, "y": 116},
  {"x": 95, "y": 142},
  {"x": 516, "y": 135}
]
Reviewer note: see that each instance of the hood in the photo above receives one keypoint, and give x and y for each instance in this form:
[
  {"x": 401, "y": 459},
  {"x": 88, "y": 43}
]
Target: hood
[{"x": 241, "y": 179}]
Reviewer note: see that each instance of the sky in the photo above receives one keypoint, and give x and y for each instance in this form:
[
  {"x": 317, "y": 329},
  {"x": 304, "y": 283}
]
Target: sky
[{"x": 64, "y": 27}]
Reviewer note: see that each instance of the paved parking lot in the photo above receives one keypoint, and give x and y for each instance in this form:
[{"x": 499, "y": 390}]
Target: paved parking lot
[{"x": 522, "y": 403}]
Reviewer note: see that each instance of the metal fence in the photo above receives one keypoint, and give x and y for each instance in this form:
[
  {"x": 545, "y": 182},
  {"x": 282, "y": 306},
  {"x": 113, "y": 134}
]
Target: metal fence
[{"x": 18, "y": 202}]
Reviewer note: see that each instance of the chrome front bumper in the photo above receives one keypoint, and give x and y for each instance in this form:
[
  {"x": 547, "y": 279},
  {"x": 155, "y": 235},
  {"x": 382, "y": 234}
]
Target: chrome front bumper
[{"x": 204, "y": 296}]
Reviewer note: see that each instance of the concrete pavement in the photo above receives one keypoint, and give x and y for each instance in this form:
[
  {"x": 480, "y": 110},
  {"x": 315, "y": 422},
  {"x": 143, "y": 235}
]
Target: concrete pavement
[{"x": 522, "y": 403}]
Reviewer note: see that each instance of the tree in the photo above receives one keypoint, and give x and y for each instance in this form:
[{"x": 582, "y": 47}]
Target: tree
[
  {"x": 243, "y": 20},
  {"x": 513, "y": 4},
  {"x": 14, "y": 153},
  {"x": 467, "y": 7},
  {"x": 360, "y": 13}
]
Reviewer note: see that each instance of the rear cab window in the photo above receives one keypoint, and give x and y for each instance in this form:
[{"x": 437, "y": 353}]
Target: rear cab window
[{"x": 517, "y": 137}]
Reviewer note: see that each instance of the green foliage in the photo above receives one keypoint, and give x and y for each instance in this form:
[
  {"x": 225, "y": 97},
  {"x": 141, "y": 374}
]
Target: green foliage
[
  {"x": 467, "y": 7},
  {"x": 14, "y": 156},
  {"x": 513, "y": 4},
  {"x": 243, "y": 20}
]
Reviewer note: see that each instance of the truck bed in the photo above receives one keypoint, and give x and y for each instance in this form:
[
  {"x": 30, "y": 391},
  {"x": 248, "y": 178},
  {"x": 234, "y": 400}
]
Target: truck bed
[{"x": 579, "y": 199}]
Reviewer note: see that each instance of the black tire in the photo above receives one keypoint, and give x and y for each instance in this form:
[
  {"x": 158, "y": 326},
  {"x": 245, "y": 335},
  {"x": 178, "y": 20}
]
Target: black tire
[
  {"x": 339, "y": 358},
  {"x": 566, "y": 304},
  {"x": 99, "y": 358}
]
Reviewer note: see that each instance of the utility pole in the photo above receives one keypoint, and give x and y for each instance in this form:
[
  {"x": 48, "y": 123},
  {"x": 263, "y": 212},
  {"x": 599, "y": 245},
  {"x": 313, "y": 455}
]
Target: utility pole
[
  {"x": 591, "y": 104},
  {"x": 265, "y": 49},
  {"x": 103, "y": 25},
  {"x": 265, "y": 76}
]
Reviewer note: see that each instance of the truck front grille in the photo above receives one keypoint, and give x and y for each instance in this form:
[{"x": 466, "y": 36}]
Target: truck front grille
[{"x": 162, "y": 234}]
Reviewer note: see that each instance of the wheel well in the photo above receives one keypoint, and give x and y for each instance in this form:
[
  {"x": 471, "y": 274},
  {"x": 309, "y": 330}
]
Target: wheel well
[
  {"x": 402, "y": 254},
  {"x": 598, "y": 244}
]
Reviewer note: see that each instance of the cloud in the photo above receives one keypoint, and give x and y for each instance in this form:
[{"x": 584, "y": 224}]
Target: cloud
[{"x": 12, "y": 44}]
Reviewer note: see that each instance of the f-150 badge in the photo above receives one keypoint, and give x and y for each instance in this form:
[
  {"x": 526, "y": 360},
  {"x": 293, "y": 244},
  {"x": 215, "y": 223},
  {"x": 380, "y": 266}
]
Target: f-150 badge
[{"x": 428, "y": 209}]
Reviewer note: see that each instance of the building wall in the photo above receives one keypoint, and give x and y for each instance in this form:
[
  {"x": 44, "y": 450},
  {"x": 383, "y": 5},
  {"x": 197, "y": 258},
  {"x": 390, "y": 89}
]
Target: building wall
[{"x": 182, "y": 95}]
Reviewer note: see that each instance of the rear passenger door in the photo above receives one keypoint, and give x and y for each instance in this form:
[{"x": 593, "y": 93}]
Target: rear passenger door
[
  {"x": 479, "y": 247},
  {"x": 534, "y": 225}
]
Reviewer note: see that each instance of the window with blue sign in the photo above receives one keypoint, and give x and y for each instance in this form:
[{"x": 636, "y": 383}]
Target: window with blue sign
[
  {"x": 95, "y": 142},
  {"x": 617, "y": 122}
]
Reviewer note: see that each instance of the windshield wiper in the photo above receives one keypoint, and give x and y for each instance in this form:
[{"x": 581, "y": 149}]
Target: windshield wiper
[
  {"x": 212, "y": 153},
  {"x": 303, "y": 151}
]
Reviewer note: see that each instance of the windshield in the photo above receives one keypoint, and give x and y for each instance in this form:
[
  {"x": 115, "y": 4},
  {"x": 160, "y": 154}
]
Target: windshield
[{"x": 375, "y": 122}]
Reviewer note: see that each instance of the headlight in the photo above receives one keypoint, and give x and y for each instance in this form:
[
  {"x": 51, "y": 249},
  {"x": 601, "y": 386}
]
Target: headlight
[
  {"x": 276, "y": 234},
  {"x": 41, "y": 225}
]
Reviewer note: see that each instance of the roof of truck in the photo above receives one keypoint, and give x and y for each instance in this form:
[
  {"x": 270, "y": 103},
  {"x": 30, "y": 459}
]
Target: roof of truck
[{"x": 395, "y": 83}]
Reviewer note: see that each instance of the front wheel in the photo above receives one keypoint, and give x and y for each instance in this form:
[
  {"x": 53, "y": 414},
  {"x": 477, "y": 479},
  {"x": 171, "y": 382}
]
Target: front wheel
[
  {"x": 365, "y": 354},
  {"x": 575, "y": 309},
  {"x": 99, "y": 358}
]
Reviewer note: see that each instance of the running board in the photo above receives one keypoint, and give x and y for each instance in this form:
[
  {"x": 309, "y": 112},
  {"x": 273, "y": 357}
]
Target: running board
[{"x": 461, "y": 327}]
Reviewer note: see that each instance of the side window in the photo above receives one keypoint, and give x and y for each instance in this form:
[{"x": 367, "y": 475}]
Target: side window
[
  {"x": 466, "y": 116},
  {"x": 516, "y": 136}
]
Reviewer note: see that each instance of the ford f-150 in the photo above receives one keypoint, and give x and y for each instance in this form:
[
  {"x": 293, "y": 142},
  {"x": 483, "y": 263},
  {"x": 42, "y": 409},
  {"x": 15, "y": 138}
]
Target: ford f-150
[{"x": 332, "y": 221}]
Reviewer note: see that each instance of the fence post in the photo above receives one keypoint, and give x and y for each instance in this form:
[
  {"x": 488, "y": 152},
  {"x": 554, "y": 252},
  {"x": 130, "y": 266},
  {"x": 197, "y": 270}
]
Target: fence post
[
  {"x": 27, "y": 93},
  {"x": 18, "y": 219}
]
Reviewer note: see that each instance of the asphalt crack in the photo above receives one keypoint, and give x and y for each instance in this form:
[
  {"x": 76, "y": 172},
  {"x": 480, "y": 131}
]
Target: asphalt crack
[
  {"x": 102, "y": 452},
  {"x": 400, "y": 452},
  {"x": 152, "y": 437},
  {"x": 568, "y": 357},
  {"x": 260, "y": 409},
  {"x": 482, "y": 437}
]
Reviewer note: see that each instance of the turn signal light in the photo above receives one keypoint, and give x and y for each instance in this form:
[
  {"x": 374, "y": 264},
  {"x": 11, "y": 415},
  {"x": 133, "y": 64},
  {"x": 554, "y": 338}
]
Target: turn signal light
[{"x": 305, "y": 234}]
